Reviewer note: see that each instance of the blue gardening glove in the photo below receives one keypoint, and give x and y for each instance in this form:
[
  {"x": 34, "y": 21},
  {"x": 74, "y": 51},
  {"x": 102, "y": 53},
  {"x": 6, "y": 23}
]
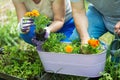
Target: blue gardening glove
[
  {"x": 43, "y": 34},
  {"x": 28, "y": 36},
  {"x": 24, "y": 24},
  {"x": 26, "y": 29}
]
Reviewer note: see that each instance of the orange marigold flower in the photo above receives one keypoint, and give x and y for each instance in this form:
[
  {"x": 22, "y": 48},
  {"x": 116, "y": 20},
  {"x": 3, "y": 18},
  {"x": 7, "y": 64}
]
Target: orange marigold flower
[
  {"x": 35, "y": 13},
  {"x": 68, "y": 49},
  {"x": 28, "y": 14},
  {"x": 93, "y": 42}
]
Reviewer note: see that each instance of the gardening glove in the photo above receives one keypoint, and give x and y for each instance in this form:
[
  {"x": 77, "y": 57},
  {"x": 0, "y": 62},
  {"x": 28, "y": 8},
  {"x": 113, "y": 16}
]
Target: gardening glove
[
  {"x": 47, "y": 34},
  {"x": 37, "y": 43},
  {"x": 43, "y": 35},
  {"x": 24, "y": 24}
]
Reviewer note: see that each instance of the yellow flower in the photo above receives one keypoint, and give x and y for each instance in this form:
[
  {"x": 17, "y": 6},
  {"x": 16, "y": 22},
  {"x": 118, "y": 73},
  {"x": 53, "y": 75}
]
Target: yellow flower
[
  {"x": 68, "y": 49},
  {"x": 28, "y": 14},
  {"x": 93, "y": 42},
  {"x": 35, "y": 13}
]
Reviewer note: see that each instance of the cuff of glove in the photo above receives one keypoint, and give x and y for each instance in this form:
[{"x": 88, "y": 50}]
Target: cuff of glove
[
  {"x": 19, "y": 28},
  {"x": 47, "y": 34}
]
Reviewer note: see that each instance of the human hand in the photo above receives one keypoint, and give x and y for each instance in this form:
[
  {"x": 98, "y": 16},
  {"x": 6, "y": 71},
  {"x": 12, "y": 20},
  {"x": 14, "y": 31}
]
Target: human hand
[
  {"x": 37, "y": 43},
  {"x": 44, "y": 34},
  {"x": 117, "y": 28},
  {"x": 24, "y": 24},
  {"x": 84, "y": 45},
  {"x": 84, "y": 40}
]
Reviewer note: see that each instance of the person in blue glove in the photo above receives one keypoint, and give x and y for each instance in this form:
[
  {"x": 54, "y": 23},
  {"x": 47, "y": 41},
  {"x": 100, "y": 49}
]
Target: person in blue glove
[
  {"x": 59, "y": 11},
  {"x": 102, "y": 16}
]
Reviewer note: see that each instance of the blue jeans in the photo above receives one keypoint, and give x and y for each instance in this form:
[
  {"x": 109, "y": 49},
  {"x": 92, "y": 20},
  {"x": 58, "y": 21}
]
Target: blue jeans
[
  {"x": 96, "y": 26},
  {"x": 67, "y": 30}
]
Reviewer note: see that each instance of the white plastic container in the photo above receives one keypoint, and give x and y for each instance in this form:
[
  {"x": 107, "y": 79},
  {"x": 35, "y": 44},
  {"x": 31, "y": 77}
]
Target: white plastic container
[{"x": 89, "y": 65}]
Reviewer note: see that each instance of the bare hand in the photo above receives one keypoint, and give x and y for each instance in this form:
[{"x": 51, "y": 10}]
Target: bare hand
[{"x": 117, "y": 28}]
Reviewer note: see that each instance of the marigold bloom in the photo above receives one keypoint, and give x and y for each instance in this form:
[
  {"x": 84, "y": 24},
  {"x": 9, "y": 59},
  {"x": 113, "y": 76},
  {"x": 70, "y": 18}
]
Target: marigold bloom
[
  {"x": 28, "y": 14},
  {"x": 93, "y": 42},
  {"x": 68, "y": 49},
  {"x": 35, "y": 13}
]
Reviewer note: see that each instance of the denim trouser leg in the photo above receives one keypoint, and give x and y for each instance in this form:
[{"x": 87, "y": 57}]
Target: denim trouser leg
[
  {"x": 67, "y": 30},
  {"x": 96, "y": 27}
]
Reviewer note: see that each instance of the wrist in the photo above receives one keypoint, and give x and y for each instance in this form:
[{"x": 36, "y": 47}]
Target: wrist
[
  {"x": 47, "y": 32},
  {"x": 84, "y": 40}
]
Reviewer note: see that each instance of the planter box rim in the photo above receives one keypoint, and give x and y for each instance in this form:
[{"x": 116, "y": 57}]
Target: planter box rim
[{"x": 60, "y": 53}]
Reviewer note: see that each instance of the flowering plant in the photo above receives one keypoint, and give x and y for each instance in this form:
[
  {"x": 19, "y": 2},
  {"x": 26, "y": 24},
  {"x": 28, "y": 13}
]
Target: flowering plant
[
  {"x": 53, "y": 44},
  {"x": 93, "y": 46},
  {"x": 40, "y": 21}
]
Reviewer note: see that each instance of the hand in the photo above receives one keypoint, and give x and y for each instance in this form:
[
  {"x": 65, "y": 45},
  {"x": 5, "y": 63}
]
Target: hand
[
  {"x": 24, "y": 24},
  {"x": 43, "y": 35},
  {"x": 47, "y": 35},
  {"x": 84, "y": 41},
  {"x": 117, "y": 28},
  {"x": 37, "y": 43}
]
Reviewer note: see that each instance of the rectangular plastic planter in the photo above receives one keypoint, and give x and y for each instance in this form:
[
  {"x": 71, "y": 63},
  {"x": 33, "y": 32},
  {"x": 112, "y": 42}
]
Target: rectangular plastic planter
[{"x": 89, "y": 65}]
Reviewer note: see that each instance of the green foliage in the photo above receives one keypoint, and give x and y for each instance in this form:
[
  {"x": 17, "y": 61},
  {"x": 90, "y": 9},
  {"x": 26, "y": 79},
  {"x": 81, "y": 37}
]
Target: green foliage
[
  {"x": 87, "y": 49},
  {"x": 7, "y": 37},
  {"x": 8, "y": 30},
  {"x": 20, "y": 63},
  {"x": 112, "y": 71},
  {"x": 54, "y": 44},
  {"x": 41, "y": 22}
]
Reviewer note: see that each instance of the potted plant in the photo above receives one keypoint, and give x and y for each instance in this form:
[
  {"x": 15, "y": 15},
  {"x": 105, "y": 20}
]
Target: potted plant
[
  {"x": 64, "y": 58},
  {"x": 68, "y": 58},
  {"x": 41, "y": 21}
]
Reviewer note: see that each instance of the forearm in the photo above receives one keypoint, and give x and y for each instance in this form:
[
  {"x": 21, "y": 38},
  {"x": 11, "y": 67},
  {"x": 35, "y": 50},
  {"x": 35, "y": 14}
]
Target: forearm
[
  {"x": 55, "y": 26},
  {"x": 58, "y": 7},
  {"x": 81, "y": 23},
  {"x": 20, "y": 9},
  {"x": 80, "y": 18}
]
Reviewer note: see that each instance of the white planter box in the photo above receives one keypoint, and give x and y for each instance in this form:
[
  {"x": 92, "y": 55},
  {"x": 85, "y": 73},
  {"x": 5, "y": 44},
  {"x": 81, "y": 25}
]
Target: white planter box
[{"x": 89, "y": 65}]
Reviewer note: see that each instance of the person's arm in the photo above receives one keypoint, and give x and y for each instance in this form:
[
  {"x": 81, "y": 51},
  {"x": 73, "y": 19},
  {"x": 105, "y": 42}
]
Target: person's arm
[
  {"x": 58, "y": 7},
  {"x": 24, "y": 23},
  {"x": 20, "y": 9},
  {"x": 80, "y": 18},
  {"x": 117, "y": 28}
]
